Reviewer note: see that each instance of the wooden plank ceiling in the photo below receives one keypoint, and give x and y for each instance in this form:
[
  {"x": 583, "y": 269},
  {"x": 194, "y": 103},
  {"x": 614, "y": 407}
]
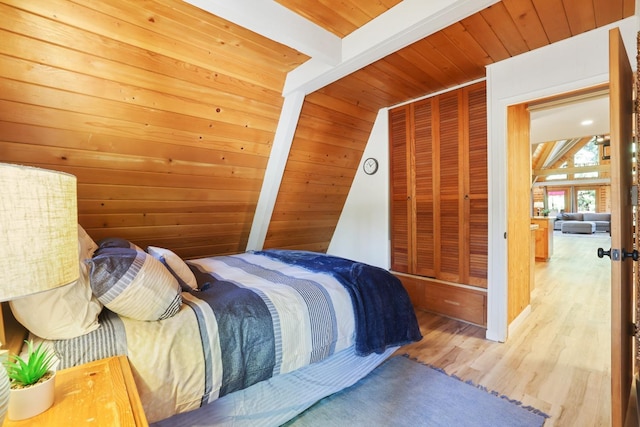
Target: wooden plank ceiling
[
  {"x": 340, "y": 18},
  {"x": 166, "y": 113}
]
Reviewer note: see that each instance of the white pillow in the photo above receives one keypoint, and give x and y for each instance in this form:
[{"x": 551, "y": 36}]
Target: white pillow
[
  {"x": 65, "y": 312},
  {"x": 134, "y": 284},
  {"x": 176, "y": 266}
]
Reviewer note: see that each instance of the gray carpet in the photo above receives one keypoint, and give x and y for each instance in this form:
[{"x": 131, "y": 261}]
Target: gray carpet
[{"x": 402, "y": 392}]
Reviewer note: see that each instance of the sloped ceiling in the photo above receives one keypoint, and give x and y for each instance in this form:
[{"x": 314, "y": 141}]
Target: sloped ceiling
[
  {"x": 169, "y": 112},
  {"x": 337, "y": 117},
  {"x": 560, "y": 130},
  {"x": 340, "y": 18}
]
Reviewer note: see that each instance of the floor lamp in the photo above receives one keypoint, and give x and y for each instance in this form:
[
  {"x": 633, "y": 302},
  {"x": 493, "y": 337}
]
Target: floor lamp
[{"x": 38, "y": 237}]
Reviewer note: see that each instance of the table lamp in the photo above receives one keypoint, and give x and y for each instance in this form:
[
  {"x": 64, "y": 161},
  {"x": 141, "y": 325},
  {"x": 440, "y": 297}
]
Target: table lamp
[
  {"x": 538, "y": 205},
  {"x": 38, "y": 237}
]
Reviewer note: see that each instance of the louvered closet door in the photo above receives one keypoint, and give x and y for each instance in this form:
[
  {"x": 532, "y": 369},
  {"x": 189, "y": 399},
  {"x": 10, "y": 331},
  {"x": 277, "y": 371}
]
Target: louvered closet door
[
  {"x": 401, "y": 223},
  {"x": 447, "y": 188},
  {"x": 439, "y": 210},
  {"x": 478, "y": 209},
  {"x": 423, "y": 152}
]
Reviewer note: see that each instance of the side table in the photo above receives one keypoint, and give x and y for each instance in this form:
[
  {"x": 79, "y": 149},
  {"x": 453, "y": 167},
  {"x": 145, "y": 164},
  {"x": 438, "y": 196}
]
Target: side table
[{"x": 100, "y": 393}]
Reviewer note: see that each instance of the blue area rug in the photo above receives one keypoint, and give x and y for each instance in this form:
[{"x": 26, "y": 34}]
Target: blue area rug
[{"x": 402, "y": 392}]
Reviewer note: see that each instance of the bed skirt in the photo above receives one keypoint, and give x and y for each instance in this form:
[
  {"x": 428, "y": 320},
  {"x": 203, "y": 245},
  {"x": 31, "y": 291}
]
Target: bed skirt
[{"x": 277, "y": 400}]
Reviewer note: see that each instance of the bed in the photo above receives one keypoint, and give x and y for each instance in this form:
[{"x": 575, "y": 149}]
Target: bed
[{"x": 245, "y": 339}]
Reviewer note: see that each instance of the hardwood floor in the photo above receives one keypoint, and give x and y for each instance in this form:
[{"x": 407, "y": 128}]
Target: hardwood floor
[{"x": 558, "y": 359}]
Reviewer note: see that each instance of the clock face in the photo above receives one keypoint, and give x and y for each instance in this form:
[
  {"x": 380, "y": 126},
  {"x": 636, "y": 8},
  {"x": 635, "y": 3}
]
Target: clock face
[{"x": 370, "y": 166}]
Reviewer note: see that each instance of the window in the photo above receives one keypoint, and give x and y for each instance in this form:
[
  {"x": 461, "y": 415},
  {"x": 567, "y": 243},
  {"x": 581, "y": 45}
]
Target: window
[
  {"x": 564, "y": 176},
  {"x": 586, "y": 200},
  {"x": 587, "y": 156},
  {"x": 555, "y": 200}
]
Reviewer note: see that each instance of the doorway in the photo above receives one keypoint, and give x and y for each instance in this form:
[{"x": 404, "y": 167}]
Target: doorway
[
  {"x": 561, "y": 270},
  {"x": 582, "y": 62},
  {"x": 522, "y": 123}
]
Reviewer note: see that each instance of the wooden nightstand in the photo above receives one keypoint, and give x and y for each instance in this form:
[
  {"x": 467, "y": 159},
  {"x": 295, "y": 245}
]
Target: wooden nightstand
[{"x": 100, "y": 393}]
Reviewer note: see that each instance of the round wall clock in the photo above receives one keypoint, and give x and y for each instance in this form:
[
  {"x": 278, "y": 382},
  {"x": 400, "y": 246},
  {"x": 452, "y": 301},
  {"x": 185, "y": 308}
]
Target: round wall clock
[{"x": 370, "y": 166}]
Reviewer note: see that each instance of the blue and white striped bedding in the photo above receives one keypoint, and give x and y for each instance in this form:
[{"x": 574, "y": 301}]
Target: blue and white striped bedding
[{"x": 255, "y": 318}]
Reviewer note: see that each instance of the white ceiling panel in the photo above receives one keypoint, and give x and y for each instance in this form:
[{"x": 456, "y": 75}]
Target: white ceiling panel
[{"x": 565, "y": 121}]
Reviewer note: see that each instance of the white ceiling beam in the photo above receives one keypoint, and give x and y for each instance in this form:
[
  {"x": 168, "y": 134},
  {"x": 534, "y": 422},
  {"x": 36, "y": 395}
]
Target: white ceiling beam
[
  {"x": 565, "y": 183},
  {"x": 331, "y": 57},
  {"x": 402, "y": 25},
  {"x": 277, "y": 23}
]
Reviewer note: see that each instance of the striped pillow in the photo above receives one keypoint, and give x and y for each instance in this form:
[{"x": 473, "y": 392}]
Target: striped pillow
[
  {"x": 108, "y": 243},
  {"x": 134, "y": 284}
]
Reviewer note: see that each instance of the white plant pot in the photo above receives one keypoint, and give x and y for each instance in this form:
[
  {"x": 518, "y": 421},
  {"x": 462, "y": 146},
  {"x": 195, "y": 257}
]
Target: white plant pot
[{"x": 31, "y": 401}]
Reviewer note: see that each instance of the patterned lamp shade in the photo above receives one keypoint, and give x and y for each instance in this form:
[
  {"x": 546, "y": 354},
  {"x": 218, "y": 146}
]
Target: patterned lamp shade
[
  {"x": 38, "y": 237},
  {"x": 38, "y": 230}
]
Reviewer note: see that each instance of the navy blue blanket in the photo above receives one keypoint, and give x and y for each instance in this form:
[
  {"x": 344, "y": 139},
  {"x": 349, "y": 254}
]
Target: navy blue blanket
[{"x": 383, "y": 311}]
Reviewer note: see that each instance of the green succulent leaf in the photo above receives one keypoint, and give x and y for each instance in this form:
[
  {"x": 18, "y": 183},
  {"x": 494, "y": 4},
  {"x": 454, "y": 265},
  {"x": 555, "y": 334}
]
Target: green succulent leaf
[{"x": 29, "y": 371}]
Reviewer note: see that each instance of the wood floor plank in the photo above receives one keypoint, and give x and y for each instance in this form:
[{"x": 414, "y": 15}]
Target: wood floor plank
[{"x": 558, "y": 359}]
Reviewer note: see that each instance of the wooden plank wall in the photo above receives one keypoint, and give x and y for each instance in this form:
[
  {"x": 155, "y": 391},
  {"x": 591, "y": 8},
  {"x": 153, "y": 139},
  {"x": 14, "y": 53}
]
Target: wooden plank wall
[
  {"x": 333, "y": 130},
  {"x": 518, "y": 223},
  {"x": 332, "y": 133},
  {"x": 165, "y": 113}
]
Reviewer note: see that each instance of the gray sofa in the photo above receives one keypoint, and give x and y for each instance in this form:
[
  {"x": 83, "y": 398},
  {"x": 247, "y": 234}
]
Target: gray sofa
[{"x": 580, "y": 222}]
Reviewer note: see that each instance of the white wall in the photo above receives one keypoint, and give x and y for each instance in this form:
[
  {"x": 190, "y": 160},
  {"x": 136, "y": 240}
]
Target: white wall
[
  {"x": 362, "y": 233},
  {"x": 569, "y": 65}
]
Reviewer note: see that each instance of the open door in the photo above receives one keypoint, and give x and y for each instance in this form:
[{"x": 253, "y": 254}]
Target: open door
[{"x": 622, "y": 241}]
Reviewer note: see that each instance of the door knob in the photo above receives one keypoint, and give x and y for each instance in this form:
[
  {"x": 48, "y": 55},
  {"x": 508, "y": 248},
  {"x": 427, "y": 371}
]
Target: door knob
[
  {"x": 633, "y": 254},
  {"x": 616, "y": 254}
]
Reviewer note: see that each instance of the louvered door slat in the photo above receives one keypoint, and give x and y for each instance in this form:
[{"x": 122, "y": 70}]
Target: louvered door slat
[
  {"x": 448, "y": 244},
  {"x": 478, "y": 255},
  {"x": 448, "y": 188},
  {"x": 478, "y": 186},
  {"x": 448, "y": 145},
  {"x": 400, "y": 220},
  {"x": 478, "y": 182},
  {"x": 423, "y": 154}
]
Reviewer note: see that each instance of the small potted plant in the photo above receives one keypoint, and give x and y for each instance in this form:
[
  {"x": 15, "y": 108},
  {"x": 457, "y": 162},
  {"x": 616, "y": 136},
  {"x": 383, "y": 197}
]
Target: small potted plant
[
  {"x": 32, "y": 382},
  {"x": 545, "y": 212}
]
